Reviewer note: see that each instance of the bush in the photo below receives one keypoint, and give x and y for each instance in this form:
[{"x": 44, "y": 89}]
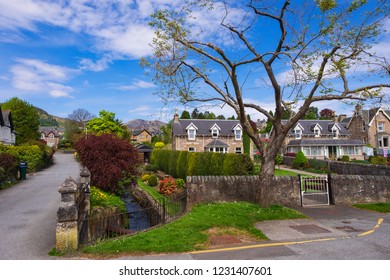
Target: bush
[
  {"x": 109, "y": 159},
  {"x": 145, "y": 177},
  {"x": 279, "y": 159},
  {"x": 100, "y": 198},
  {"x": 379, "y": 160},
  {"x": 152, "y": 180},
  {"x": 8, "y": 168},
  {"x": 151, "y": 167},
  {"x": 180, "y": 183},
  {"x": 345, "y": 158},
  {"x": 167, "y": 186},
  {"x": 300, "y": 160}
]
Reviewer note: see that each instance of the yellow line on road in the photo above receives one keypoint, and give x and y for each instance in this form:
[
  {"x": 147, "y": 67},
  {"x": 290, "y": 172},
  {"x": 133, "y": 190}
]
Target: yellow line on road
[{"x": 380, "y": 221}]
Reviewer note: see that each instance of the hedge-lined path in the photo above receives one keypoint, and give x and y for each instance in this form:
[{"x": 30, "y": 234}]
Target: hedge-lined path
[{"x": 28, "y": 211}]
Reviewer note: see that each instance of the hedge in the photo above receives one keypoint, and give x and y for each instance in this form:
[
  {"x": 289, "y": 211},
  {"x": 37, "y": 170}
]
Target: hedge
[
  {"x": 181, "y": 164},
  {"x": 37, "y": 155}
]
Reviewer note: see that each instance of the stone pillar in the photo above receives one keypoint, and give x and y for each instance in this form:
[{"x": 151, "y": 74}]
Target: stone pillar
[
  {"x": 67, "y": 227},
  {"x": 85, "y": 181}
]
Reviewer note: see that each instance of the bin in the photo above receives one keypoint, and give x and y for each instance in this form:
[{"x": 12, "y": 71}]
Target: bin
[{"x": 23, "y": 170}]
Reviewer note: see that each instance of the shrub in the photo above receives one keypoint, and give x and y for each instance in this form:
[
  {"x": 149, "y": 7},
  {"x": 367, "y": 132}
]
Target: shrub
[
  {"x": 300, "y": 160},
  {"x": 152, "y": 180},
  {"x": 100, "y": 198},
  {"x": 151, "y": 167},
  {"x": 379, "y": 160},
  {"x": 279, "y": 159},
  {"x": 145, "y": 177},
  {"x": 345, "y": 158},
  {"x": 290, "y": 154},
  {"x": 180, "y": 183},
  {"x": 8, "y": 167},
  {"x": 110, "y": 159},
  {"x": 167, "y": 186}
]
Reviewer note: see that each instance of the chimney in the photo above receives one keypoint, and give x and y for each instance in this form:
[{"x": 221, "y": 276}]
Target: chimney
[
  {"x": 334, "y": 117},
  {"x": 358, "y": 109},
  {"x": 342, "y": 117},
  {"x": 176, "y": 117}
]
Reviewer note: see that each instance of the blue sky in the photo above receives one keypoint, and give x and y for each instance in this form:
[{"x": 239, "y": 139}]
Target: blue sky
[{"x": 63, "y": 55}]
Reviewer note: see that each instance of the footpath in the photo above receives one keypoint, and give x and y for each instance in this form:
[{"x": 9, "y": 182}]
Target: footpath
[{"x": 28, "y": 211}]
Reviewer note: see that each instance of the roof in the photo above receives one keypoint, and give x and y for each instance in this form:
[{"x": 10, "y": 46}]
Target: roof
[
  {"x": 324, "y": 125},
  {"x": 216, "y": 143},
  {"x": 48, "y": 129},
  {"x": 326, "y": 142},
  {"x": 138, "y": 132},
  {"x": 179, "y": 127},
  {"x": 143, "y": 148},
  {"x": 6, "y": 118}
]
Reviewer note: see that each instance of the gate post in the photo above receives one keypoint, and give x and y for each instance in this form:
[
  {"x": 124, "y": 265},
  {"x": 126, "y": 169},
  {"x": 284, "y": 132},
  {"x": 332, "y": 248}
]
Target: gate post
[
  {"x": 67, "y": 235},
  {"x": 330, "y": 190},
  {"x": 300, "y": 188}
]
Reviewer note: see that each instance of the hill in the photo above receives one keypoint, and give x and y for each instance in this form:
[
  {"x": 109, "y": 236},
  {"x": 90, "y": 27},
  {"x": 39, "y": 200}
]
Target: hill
[
  {"x": 151, "y": 126},
  {"x": 45, "y": 119}
]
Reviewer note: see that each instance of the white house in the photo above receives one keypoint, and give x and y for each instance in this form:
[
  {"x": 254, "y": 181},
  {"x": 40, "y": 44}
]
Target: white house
[{"x": 7, "y": 133}]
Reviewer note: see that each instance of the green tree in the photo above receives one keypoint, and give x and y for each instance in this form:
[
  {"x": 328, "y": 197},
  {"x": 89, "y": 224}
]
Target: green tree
[
  {"x": 25, "y": 119},
  {"x": 185, "y": 115},
  {"x": 311, "y": 113},
  {"x": 107, "y": 123},
  {"x": 319, "y": 42},
  {"x": 194, "y": 114}
]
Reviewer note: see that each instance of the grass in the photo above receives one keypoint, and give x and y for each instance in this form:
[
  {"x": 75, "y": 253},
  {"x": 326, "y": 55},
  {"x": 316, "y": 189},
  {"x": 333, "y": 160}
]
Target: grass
[
  {"x": 150, "y": 190},
  {"x": 378, "y": 207},
  {"x": 104, "y": 199},
  {"x": 280, "y": 172},
  {"x": 188, "y": 233}
]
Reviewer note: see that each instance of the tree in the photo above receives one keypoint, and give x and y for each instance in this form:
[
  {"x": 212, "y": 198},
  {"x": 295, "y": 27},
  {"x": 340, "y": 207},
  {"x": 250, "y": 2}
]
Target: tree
[
  {"x": 320, "y": 43},
  {"x": 326, "y": 114},
  {"x": 194, "y": 114},
  {"x": 25, "y": 119},
  {"x": 107, "y": 123},
  {"x": 81, "y": 116},
  {"x": 311, "y": 113},
  {"x": 185, "y": 115}
]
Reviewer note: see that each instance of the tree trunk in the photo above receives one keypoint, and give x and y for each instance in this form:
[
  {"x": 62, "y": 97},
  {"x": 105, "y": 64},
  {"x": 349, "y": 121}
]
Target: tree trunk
[{"x": 264, "y": 192}]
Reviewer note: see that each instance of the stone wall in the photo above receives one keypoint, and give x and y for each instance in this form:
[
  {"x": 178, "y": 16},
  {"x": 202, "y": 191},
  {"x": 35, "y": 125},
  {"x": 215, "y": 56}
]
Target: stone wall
[
  {"x": 206, "y": 189},
  {"x": 349, "y": 168},
  {"x": 350, "y": 189},
  {"x": 346, "y": 189}
]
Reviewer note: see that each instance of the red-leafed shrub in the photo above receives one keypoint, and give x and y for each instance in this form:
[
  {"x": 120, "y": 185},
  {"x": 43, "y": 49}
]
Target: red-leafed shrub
[
  {"x": 8, "y": 167},
  {"x": 109, "y": 159},
  {"x": 167, "y": 186}
]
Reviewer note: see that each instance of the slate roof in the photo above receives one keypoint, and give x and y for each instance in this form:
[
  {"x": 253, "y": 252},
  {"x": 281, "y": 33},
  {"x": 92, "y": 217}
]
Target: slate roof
[
  {"x": 204, "y": 126},
  {"x": 48, "y": 129},
  {"x": 143, "y": 148},
  {"x": 216, "y": 143},
  {"x": 326, "y": 142},
  {"x": 138, "y": 132},
  {"x": 368, "y": 115},
  {"x": 325, "y": 125}
]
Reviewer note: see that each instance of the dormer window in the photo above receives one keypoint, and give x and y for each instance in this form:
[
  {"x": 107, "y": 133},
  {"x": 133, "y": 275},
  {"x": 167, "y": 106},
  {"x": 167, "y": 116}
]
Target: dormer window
[
  {"x": 237, "y": 132},
  {"x": 298, "y": 133},
  {"x": 335, "y": 132},
  {"x": 316, "y": 132},
  {"x": 191, "y": 131},
  {"x": 215, "y": 131}
]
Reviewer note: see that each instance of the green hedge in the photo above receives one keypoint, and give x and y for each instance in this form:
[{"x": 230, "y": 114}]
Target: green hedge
[
  {"x": 37, "y": 155},
  {"x": 181, "y": 164}
]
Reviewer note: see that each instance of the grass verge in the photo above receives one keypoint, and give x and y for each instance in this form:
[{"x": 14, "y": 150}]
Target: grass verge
[
  {"x": 378, "y": 207},
  {"x": 189, "y": 233},
  {"x": 280, "y": 172}
]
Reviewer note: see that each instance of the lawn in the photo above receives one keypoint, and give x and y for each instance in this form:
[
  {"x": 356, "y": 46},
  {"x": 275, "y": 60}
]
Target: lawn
[
  {"x": 190, "y": 232},
  {"x": 280, "y": 172},
  {"x": 378, "y": 207}
]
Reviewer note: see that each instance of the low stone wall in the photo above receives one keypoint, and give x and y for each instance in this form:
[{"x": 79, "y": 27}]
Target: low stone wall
[
  {"x": 350, "y": 189},
  {"x": 349, "y": 168},
  {"x": 346, "y": 189},
  {"x": 206, "y": 189}
]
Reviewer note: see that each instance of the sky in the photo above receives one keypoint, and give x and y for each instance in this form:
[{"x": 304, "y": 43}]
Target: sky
[{"x": 68, "y": 54}]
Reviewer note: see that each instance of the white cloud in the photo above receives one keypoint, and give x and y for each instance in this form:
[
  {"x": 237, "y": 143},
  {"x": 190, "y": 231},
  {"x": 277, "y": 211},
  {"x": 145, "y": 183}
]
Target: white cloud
[
  {"x": 97, "y": 66},
  {"x": 38, "y": 76},
  {"x": 141, "y": 109},
  {"x": 138, "y": 84}
]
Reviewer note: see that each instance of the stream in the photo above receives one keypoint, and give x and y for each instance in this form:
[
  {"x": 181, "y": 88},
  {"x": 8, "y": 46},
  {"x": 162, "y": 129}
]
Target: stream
[{"x": 139, "y": 219}]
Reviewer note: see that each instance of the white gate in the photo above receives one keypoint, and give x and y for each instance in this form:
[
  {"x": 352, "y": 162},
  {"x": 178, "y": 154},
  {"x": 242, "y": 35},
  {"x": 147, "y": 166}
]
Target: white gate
[{"x": 314, "y": 190}]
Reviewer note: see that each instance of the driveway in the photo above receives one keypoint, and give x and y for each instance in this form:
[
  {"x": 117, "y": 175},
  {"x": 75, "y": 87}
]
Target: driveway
[{"x": 28, "y": 211}]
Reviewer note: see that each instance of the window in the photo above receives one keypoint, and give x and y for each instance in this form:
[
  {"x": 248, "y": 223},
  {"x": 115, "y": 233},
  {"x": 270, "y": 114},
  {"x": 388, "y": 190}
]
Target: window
[
  {"x": 298, "y": 134},
  {"x": 42, "y": 135},
  {"x": 238, "y": 134},
  {"x": 381, "y": 126},
  {"x": 214, "y": 133},
  {"x": 316, "y": 132},
  {"x": 218, "y": 150},
  {"x": 238, "y": 150},
  {"x": 364, "y": 127},
  {"x": 191, "y": 134},
  {"x": 191, "y": 149},
  {"x": 385, "y": 142},
  {"x": 335, "y": 133}
]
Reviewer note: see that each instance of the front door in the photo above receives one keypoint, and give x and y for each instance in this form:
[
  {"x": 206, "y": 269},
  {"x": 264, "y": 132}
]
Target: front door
[{"x": 333, "y": 152}]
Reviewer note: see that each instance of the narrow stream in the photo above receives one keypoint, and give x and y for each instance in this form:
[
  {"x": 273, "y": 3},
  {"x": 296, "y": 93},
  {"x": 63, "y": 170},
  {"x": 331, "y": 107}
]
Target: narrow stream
[{"x": 139, "y": 219}]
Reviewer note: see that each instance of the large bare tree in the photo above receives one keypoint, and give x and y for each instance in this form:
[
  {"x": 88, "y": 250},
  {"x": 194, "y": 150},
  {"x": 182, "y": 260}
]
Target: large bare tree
[{"x": 304, "y": 51}]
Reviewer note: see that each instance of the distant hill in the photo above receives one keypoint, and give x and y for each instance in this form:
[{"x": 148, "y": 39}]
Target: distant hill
[
  {"x": 151, "y": 126},
  {"x": 45, "y": 119}
]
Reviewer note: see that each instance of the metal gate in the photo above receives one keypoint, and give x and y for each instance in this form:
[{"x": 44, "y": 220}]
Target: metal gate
[{"x": 314, "y": 190}]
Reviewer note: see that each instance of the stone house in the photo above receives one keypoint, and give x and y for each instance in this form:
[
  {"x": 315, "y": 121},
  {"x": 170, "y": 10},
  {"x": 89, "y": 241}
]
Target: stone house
[
  {"x": 205, "y": 135},
  {"x": 322, "y": 139},
  {"x": 140, "y": 136},
  {"x": 7, "y": 131},
  {"x": 371, "y": 127},
  {"x": 50, "y": 135}
]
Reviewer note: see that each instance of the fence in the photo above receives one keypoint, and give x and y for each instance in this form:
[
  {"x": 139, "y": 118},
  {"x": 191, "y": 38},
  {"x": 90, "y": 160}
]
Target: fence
[{"x": 78, "y": 225}]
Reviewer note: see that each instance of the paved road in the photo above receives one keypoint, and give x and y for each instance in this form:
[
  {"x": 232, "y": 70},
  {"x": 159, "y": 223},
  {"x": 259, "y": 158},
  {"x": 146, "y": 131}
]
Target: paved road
[{"x": 28, "y": 211}]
